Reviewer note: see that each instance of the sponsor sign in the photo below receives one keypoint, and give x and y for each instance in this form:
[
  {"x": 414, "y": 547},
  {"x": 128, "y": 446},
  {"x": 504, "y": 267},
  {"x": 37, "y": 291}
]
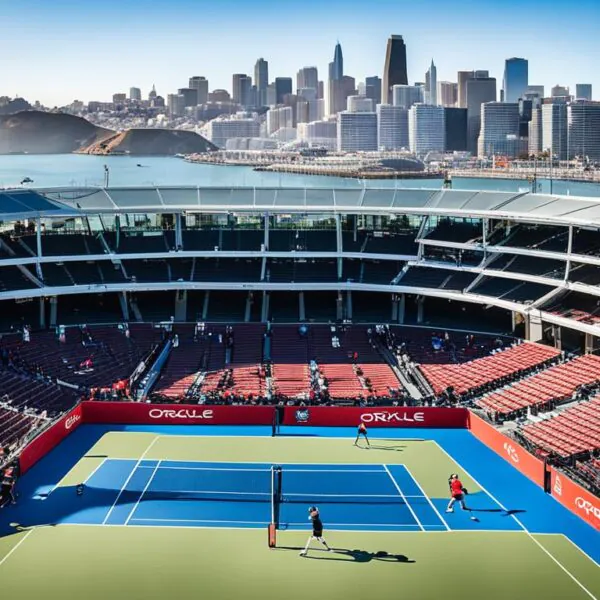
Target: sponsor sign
[
  {"x": 51, "y": 437},
  {"x": 345, "y": 416},
  {"x": 576, "y": 498},
  {"x": 182, "y": 413},
  {"x": 508, "y": 449}
]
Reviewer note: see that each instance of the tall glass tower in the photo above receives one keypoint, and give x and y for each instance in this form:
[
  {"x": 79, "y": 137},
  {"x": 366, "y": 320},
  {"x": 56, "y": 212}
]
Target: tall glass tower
[
  {"x": 394, "y": 72},
  {"x": 516, "y": 79}
]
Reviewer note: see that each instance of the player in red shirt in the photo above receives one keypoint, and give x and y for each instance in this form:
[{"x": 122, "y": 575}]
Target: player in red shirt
[
  {"x": 362, "y": 430},
  {"x": 457, "y": 493}
]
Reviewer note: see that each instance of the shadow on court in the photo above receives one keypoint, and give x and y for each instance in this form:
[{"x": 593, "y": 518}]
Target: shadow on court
[
  {"x": 359, "y": 556},
  {"x": 390, "y": 448}
]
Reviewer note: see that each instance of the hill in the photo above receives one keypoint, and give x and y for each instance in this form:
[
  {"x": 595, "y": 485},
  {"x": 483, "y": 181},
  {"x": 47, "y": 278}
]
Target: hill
[
  {"x": 36, "y": 132},
  {"x": 151, "y": 142}
]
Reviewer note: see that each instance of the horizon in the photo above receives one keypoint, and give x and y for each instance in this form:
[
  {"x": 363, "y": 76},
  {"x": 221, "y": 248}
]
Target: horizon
[{"x": 93, "y": 52}]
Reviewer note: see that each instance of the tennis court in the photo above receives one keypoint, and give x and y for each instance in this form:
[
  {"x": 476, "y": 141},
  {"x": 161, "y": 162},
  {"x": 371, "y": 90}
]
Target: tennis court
[{"x": 160, "y": 510}]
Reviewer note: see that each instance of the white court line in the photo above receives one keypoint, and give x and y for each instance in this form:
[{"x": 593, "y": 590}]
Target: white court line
[
  {"x": 94, "y": 471},
  {"x": 16, "y": 546},
  {"x": 129, "y": 478},
  {"x": 410, "y": 508},
  {"x": 351, "y": 471},
  {"x": 377, "y": 467},
  {"x": 518, "y": 521},
  {"x": 437, "y": 512},
  {"x": 201, "y": 521},
  {"x": 207, "y": 469},
  {"x": 319, "y": 495},
  {"x": 67, "y": 474},
  {"x": 143, "y": 492},
  {"x": 214, "y": 492}
]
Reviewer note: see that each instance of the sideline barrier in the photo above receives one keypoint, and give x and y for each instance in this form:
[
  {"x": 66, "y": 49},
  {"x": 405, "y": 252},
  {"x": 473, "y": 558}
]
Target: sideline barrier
[
  {"x": 349, "y": 416},
  {"x": 133, "y": 413},
  {"x": 575, "y": 498},
  {"x": 508, "y": 449},
  {"x": 47, "y": 440}
]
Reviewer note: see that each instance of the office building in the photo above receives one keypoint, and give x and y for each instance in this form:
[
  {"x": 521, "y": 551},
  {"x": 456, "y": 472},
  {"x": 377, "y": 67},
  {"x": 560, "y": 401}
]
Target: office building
[
  {"x": 480, "y": 89},
  {"x": 357, "y": 132},
  {"x": 308, "y": 111},
  {"x": 241, "y": 86},
  {"x": 279, "y": 118},
  {"x": 499, "y": 133},
  {"x": 583, "y": 91},
  {"x": 426, "y": 129},
  {"x": 135, "y": 94},
  {"x": 559, "y": 91},
  {"x": 220, "y": 130},
  {"x": 190, "y": 96},
  {"x": 283, "y": 87},
  {"x": 392, "y": 127},
  {"x": 463, "y": 77},
  {"x": 176, "y": 105},
  {"x": 431, "y": 85},
  {"x": 394, "y": 71},
  {"x": 525, "y": 114},
  {"x": 219, "y": 96},
  {"x": 516, "y": 79},
  {"x": 447, "y": 93},
  {"x": 583, "y": 122},
  {"x": 538, "y": 90},
  {"x": 119, "y": 99},
  {"x": 555, "y": 129},
  {"x": 336, "y": 98},
  {"x": 455, "y": 127},
  {"x": 373, "y": 89},
  {"x": 320, "y": 134},
  {"x": 336, "y": 68},
  {"x": 407, "y": 95},
  {"x": 359, "y": 104},
  {"x": 535, "y": 132},
  {"x": 261, "y": 81},
  {"x": 200, "y": 84},
  {"x": 307, "y": 78}
]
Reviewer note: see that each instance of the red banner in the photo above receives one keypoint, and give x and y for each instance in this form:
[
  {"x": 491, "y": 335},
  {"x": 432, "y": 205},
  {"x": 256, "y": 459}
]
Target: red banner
[
  {"x": 134, "y": 413},
  {"x": 575, "y": 498},
  {"x": 508, "y": 449},
  {"x": 50, "y": 438},
  {"x": 349, "y": 416}
]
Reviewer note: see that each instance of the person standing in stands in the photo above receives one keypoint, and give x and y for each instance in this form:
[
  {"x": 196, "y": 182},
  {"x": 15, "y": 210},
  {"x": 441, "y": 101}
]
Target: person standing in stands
[
  {"x": 7, "y": 493},
  {"x": 362, "y": 430}
]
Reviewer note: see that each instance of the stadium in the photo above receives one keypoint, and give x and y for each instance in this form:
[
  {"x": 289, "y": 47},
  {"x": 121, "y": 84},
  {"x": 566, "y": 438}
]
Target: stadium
[{"x": 183, "y": 371}]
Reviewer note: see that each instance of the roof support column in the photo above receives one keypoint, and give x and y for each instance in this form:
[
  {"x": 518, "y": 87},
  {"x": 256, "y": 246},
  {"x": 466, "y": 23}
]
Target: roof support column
[
  {"x": 53, "y": 311},
  {"x": 42, "y": 312},
  {"x": 569, "y": 252},
  {"x": 349, "y": 305},
  {"x": 178, "y": 234},
  {"x": 338, "y": 236},
  {"x": 38, "y": 239}
]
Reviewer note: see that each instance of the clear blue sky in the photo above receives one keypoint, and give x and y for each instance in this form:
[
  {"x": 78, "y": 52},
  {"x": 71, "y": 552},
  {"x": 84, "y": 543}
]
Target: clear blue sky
[{"x": 58, "y": 50}]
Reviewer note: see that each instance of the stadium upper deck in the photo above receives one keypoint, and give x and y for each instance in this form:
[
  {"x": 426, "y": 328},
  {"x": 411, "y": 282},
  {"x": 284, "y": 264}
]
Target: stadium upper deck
[{"x": 534, "y": 255}]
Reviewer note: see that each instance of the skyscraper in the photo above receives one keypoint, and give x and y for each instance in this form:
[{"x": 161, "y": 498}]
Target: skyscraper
[
  {"x": 406, "y": 95},
  {"x": 373, "y": 89},
  {"x": 200, "y": 84},
  {"x": 554, "y": 129},
  {"x": 559, "y": 91},
  {"x": 583, "y": 118},
  {"x": 499, "y": 129},
  {"x": 176, "y": 105},
  {"x": 394, "y": 71},
  {"x": 190, "y": 96},
  {"x": 463, "y": 77},
  {"x": 535, "y": 131},
  {"x": 336, "y": 68},
  {"x": 283, "y": 87},
  {"x": 583, "y": 91},
  {"x": 336, "y": 100},
  {"x": 360, "y": 104},
  {"x": 455, "y": 123},
  {"x": 431, "y": 85},
  {"x": 447, "y": 93},
  {"x": 240, "y": 88},
  {"x": 135, "y": 94},
  {"x": 392, "y": 127},
  {"x": 516, "y": 79},
  {"x": 426, "y": 129},
  {"x": 480, "y": 89},
  {"x": 536, "y": 89},
  {"x": 308, "y": 77},
  {"x": 261, "y": 80},
  {"x": 357, "y": 132}
]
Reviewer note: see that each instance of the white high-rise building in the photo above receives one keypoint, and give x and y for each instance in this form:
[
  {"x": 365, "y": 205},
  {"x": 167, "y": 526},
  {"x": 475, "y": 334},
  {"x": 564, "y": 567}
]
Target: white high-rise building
[
  {"x": 220, "y": 130},
  {"x": 176, "y": 105},
  {"x": 426, "y": 129},
  {"x": 321, "y": 134},
  {"x": 279, "y": 118},
  {"x": 407, "y": 95},
  {"x": 357, "y": 132},
  {"x": 447, "y": 93},
  {"x": 583, "y": 118},
  {"x": 392, "y": 127},
  {"x": 554, "y": 129},
  {"x": 499, "y": 133},
  {"x": 360, "y": 104},
  {"x": 535, "y": 131}
]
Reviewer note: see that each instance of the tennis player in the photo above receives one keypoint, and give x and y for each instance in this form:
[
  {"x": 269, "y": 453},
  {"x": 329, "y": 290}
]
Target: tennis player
[
  {"x": 362, "y": 430},
  {"x": 317, "y": 532},
  {"x": 457, "y": 493}
]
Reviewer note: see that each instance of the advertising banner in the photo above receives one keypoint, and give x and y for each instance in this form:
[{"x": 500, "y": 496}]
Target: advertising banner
[
  {"x": 46, "y": 441},
  {"x": 508, "y": 449},
  {"x": 344, "y": 416},
  {"x": 575, "y": 498},
  {"x": 134, "y": 413}
]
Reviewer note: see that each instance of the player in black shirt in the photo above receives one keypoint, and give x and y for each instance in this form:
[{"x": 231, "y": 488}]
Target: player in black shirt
[{"x": 317, "y": 532}]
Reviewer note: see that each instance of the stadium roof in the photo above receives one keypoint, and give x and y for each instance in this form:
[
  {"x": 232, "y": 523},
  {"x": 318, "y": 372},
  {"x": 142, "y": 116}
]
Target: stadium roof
[{"x": 540, "y": 208}]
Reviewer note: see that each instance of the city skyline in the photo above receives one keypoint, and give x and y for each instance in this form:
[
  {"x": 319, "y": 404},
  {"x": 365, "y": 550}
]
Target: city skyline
[{"x": 90, "y": 54}]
